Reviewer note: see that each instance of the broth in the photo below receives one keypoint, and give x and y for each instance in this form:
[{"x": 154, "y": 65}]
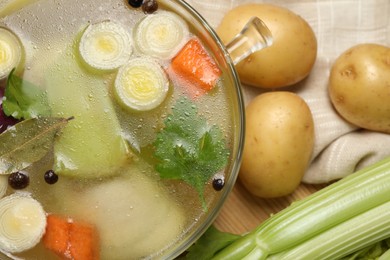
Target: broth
[{"x": 115, "y": 185}]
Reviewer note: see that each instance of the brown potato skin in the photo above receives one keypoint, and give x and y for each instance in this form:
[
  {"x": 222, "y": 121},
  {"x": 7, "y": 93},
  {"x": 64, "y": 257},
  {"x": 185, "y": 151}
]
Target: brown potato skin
[
  {"x": 292, "y": 54},
  {"x": 279, "y": 141},
  {"x": 359, "y": 86}
]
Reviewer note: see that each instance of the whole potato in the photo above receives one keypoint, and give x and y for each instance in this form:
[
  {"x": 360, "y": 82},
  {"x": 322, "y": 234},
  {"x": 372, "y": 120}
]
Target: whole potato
[
  {"x": 359, "y": 86},
  {"x": 279, "y": 141},
  {"x": 291, "y": 56}
]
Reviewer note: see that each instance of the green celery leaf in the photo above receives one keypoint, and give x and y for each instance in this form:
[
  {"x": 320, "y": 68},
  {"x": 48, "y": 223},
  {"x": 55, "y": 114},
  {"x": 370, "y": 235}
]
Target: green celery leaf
[
  {"x": 27, "y": 142},
  {"x": 24, "y": 100},
  {"x": 210, "y": 243},
  {"x": 188, "y": 149}
]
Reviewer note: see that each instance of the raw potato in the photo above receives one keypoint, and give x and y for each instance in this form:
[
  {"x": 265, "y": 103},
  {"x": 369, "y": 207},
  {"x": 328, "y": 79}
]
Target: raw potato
[
  {"x": 359, "y": 86},
  {"x": 292, "y": 54},
  {"x": 278, "y": 145}
]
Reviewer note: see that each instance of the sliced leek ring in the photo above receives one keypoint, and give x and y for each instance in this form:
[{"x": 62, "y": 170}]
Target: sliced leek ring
[
  {"x": 105, "y": 45},
  {"x": 10, "y": 52},
  {"x": 141, "y": 84},
  {"x": 161, "y": 35},
  {"x": 8, "y": 7},
  {"x": 22, "y": 222}
]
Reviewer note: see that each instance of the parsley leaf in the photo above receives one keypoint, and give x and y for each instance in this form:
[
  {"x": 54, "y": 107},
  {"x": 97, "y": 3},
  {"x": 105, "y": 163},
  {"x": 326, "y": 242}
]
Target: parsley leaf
[
  {"x": 188, "y": 149},
  {"x": 24, "y": 100}
]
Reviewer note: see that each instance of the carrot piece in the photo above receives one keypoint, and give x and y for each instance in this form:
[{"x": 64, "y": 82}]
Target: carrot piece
[
  {"x": 57, "y": 234},
  {"x": 82, "y": 242},
  {"x": 196, "y": 65},
  {"x": 70, "y": 240}
]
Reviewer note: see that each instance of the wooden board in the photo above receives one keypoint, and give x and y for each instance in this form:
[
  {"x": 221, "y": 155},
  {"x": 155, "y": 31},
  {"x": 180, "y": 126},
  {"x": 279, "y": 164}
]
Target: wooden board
[{"x": 243, "y": 212}]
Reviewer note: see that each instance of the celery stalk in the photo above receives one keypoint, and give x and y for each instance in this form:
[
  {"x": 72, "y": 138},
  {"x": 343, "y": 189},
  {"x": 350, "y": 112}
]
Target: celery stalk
[
  {"x": 303, "y": 220},
  {"x": 354, "y": 234}
]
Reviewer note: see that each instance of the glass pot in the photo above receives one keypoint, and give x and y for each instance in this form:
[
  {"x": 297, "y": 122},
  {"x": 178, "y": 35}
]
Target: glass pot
[{"x": 254, "y": 36}]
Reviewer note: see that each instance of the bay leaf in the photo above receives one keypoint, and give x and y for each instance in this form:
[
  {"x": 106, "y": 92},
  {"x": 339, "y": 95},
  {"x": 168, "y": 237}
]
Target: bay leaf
[{"x": 28, "y": 142}]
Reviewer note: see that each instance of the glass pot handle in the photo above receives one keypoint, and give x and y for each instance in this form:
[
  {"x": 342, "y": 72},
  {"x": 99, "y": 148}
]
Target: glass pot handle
[{"x": 253, "y": 37}]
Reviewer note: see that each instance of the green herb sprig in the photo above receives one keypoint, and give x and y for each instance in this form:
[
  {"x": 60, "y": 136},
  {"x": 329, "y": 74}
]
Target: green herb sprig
[
  {"x": 24, "y": 100},
  {"x": 189, "y": 149}
]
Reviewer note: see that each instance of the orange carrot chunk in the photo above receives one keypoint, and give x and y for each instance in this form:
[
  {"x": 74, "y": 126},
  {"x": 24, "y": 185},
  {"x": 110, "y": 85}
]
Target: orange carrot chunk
[
  {"x": 82, "y": 241},
  {"x": 195, "y": 65},
  {"x": 70, "y": 240},
  {"x": 57, "y": 234}
]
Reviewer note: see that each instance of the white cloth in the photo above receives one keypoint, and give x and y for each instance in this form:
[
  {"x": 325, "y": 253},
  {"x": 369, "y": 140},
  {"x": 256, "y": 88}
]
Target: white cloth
[{"x": 340, "y": 148}]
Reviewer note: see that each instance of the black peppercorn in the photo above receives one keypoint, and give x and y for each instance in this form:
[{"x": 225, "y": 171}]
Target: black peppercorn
[
  {"x": 135, "y": 3},
  {"x": 149, "y": 6},
  {"x": 51, "y": 177},
  {"x": 18, "y": 180},
  {"x": 218, "y": 184}
]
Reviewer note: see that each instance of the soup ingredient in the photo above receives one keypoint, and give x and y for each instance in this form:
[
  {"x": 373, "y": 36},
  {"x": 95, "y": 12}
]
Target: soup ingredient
[
  {"x": 71, "y": 239},
  {"x": 18, "y": 180},
  {"x": 380, "y": 251},
  {"x": 5, "y": 121},
  {"x": 134, "y": 214},
  {"x": 22, "y": 221},
  {"x": 189, "y": 149},
  {"x": 24, "y": 100},
  {"x": 279, "y": 141},
  {"x": 218, "y": 184},
  {"x": 149, "y": 6},
  {"x": 359, "y": 86},
  {"x": 141, "y": 85},
  {"x": 335, "y": 221},
  {"x": 212, "y": 239},
  {"x": 10, "y": 52},
  {"x": 378, "y": 222},
  {"x": 196, "y": 66},
  {"x": 105, "y": 45},
  {"x": 7, "y": 7},
  {"x": 291, "y": 56},
  {"x": 50, "y": 177},
  {"x": 92, "y": 146},
  {"x": 28, "y": 142},
  {"x": 3, "y": 185},
  {"x": 161, "y": 35},
  {"x": 135, "y": 3}
]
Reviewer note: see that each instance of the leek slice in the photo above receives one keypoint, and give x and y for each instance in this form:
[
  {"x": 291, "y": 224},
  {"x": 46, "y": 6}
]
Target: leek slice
[
  {"x": 8, "y": 7},
  {"x": 141, "y": 84},
  {"x": 161, "y": 35},
  {"x": 22, "y": 222},
  {"x": 10, "y": 51},
  {"x": 105, "y": 45}
]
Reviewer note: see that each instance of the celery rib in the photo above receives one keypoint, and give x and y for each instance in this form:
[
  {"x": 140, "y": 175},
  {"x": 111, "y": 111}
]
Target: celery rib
[
  {"x": 354, "y": 234},
  {"x": 352, "y": 196}
]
